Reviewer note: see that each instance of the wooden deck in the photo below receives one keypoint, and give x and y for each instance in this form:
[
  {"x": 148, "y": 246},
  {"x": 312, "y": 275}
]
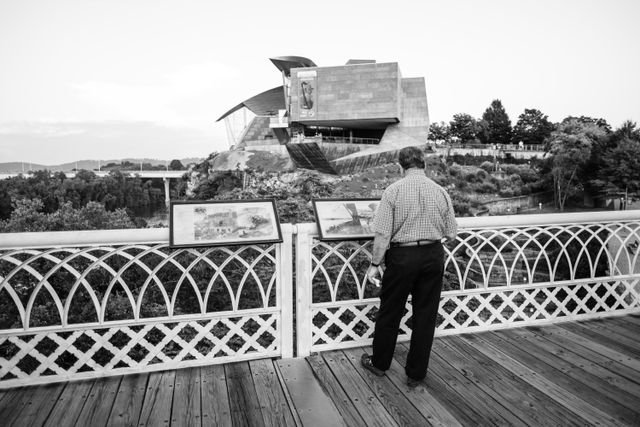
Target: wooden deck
[{"x": 584, "y": 373}]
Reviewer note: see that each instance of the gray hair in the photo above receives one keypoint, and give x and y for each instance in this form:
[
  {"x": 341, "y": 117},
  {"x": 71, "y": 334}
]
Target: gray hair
[{"x": 411, "y": 157}]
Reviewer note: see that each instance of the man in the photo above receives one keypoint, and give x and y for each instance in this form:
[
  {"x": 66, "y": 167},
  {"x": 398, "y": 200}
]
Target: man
[{"x": 414, "y": 216}]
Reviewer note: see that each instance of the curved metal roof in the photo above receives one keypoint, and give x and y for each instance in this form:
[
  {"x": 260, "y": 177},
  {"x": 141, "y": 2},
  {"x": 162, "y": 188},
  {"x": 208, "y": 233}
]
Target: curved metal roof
[
  {"x": 286, "y": 63},
  {"x": 262, "y": 104}
]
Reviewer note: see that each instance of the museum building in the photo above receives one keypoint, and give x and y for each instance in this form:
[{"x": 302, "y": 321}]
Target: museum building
[{"x": 338, "y": 119}]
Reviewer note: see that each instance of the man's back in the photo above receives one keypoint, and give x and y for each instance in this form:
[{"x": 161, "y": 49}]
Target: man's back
[{"x": 415, "y": 208}]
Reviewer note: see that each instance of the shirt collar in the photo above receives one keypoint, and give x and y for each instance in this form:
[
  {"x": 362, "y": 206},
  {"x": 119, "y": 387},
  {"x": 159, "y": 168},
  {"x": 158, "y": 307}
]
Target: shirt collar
[{"x": 414, "y": 171}]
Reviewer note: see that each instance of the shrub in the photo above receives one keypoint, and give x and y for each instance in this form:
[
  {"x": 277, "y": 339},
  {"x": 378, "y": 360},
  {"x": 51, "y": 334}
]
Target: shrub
[
  {"x": 455, "y": 170},
  {"x": 486, "y": 188},
  {"x": 482, "y": 175},
  {"x": 506, "y": 192},
  {"x": 487, "y": 166}
]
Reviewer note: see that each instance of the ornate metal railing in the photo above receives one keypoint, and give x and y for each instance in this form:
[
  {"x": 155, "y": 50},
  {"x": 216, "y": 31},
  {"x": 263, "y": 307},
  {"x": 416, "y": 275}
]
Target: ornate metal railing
[
  {"x": 500, "y": 272},
  {"x": 95, "y": 303},
  {"x": 83, "y": 304}
]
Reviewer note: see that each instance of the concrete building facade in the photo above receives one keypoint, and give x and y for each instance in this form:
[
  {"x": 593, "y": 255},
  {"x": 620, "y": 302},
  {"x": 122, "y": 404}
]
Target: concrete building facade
[{"x": 337, "y": 119}]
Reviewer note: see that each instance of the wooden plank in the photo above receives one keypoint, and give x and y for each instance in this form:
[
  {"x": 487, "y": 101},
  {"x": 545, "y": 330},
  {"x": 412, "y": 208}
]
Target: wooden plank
[
  {"x": 14, "y": 403},
  {"x": 609, "y": 353},
  {"x": 464, "y": 398},
  {"x": 273, "y": 402},
  {"x": 215, "y": 398},
  {"x": 533, "y": 377},
  {"x": 186, "y": 398},
  {"x": 630, "y": 332},
  {"x": 578, "y": 368},
  {"x": 396, "y": 403},
  {"x": 243, "y": 400},
  {"x": 42, "y": 400},
  {"x": 633, "y": 318},
  {"x": 68, "y": 406},
  {"x": 559, "y": 372},
  {"x": 129, "y": 400},
  {"x": 567, "y": 342},
  {"x": 364, "y": 399},
  {"x": 156, "y": 408},
  {"x": 333, "y": 388},
  {"x": 617, "y": 343},
  {"x": 577, "y": 358},
  {"x": 627, "y": 324},
  {"x": 515, "y": 394},
  {"x": 99, "y": 403},
  {"x": 443, "y": 392},
  {"x": 313, "y": 406},
  {"x": 420, "y": 397}
]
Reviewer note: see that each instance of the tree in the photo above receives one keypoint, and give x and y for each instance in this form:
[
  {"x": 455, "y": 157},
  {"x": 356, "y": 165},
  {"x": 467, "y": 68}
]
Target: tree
[
  {"x": 570, "y": 148},
  {"x": 495, "y": 126},
  {"x": 532, "y": 127},
  {"x": 586, "y": 120},
  {"x": 617, "y": 160},
  {"x": 621, "y": 166},
  {"x": 463, "y": 127},
  {"x": 439, "y": 132},
  {"x": 176, "y": 165}
]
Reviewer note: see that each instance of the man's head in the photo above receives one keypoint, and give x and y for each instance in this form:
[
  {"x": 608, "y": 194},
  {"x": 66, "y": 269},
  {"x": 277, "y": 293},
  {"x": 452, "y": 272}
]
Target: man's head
[{"x": 411, "y": 157}]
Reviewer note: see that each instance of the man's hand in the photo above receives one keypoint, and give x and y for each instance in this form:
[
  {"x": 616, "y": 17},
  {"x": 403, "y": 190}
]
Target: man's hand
[{"x": 373, "y": 273}]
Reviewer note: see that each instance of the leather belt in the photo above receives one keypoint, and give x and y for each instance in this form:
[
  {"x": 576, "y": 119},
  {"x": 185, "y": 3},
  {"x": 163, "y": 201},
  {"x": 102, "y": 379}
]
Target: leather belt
[{"x": 418, "y": 243}]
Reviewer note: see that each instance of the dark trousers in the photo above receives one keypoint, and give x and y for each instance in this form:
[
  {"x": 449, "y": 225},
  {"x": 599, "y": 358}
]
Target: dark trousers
[{"x": 415, "y": 271}]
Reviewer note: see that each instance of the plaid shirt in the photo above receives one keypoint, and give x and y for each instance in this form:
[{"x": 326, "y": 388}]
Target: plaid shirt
[{"x": 415, "y": 208}]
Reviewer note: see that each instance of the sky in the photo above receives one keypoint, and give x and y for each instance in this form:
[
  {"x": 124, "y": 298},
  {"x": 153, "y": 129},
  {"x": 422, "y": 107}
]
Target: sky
[{"x": 114, "y": 79}]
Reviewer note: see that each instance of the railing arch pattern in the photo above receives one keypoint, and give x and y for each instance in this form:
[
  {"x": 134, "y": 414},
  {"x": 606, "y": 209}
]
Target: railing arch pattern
[
  {"x": 500, "y": 272},
  {"x": 74, "y": 311},
  {"x": 85, "y": 304}
]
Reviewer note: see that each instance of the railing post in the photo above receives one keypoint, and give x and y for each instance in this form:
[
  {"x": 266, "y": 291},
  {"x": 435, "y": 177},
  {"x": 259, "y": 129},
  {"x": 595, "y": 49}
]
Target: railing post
[
  {"x": 303, "y": 290},
  {"x": 285, "y": 285}
]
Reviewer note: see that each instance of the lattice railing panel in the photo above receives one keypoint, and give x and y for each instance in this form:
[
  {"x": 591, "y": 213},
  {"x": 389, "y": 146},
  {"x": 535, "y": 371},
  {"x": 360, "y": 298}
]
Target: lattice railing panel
[
  {"x": 78, "y": 311},
  {"x": 136, "y": 347},
  {"x": 495, "y": 277}
]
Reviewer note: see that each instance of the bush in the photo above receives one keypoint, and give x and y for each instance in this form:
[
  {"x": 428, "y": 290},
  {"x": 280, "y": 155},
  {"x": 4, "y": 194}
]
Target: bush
[
  {"x": 487, "y": 166},
  {"x": 486, "y": 188},
  {"x": 506, "y": 192},
  {"x": 481, "y": 175},
  {"x": 455, "y": 170},
  {"x": 27, "y": 216}
]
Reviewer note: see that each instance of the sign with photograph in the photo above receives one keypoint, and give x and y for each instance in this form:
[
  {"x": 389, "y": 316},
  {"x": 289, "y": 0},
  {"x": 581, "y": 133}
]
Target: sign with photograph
[
  {"x": 228, "y": 222},
  {"x": 345, "y": 219}
]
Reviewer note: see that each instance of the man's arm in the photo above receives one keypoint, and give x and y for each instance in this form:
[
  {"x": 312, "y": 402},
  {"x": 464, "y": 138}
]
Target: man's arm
[
  {"x": 451, "y": 225},
  {"x": 380, "y": 245}
]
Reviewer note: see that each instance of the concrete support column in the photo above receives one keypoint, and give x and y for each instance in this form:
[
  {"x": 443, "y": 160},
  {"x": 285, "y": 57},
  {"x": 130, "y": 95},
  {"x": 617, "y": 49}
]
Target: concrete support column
[{"x": 167, "y": 196}]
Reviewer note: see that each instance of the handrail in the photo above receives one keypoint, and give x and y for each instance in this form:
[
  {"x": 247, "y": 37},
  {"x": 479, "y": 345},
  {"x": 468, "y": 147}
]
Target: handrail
[{"x": 123, "y": 301}]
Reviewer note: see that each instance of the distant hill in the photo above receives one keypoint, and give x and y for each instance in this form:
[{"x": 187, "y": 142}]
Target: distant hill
[{"x": 18, "y": 167}]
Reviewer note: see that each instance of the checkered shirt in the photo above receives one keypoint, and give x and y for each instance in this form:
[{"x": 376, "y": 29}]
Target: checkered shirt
[{"x": 415, "y": 208}]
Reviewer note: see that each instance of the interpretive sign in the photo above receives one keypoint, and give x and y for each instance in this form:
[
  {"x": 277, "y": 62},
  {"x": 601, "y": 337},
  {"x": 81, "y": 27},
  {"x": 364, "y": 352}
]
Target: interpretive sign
[
  {"x": 229, "y": 222},
  {"x": 345, "y": 219}
]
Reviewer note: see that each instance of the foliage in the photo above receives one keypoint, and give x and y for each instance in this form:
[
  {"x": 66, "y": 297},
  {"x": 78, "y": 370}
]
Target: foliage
[
  {"x": 463, "y": 128},
  {"x": 439, "y": 132},
  {"x": 54, "y": 189},
  {"x": 570, "y": 148},
  {"x": 532, "y": 127},
  {"x": 495, "y": 126},
  {"x": 176, "y": 165},
  {"x": 619, "y": 162},
  {"x": 28, "y": 215}
]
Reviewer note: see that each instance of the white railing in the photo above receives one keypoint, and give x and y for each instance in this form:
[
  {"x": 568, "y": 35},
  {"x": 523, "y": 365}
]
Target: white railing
[
  {"x": 95, "y": 303},
  {"x": 501, "y": 272}
]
